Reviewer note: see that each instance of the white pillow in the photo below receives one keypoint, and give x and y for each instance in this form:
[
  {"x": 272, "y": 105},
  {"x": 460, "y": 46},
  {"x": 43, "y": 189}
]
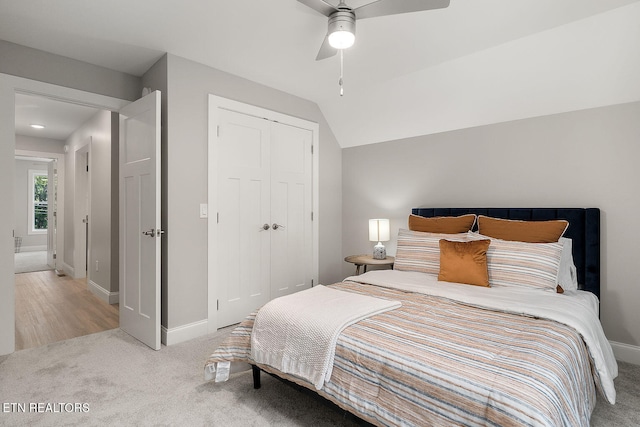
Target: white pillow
[
  {"x": 420, "y": 251},
  {"x": 521, "y": 264},
  {"x": 567, "y": 274}
]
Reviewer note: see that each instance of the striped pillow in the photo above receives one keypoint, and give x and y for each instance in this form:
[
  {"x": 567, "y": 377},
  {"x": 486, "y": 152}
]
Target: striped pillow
[
  {"x": 420, "y": 251},
  {"x": 521, "y": 264}
]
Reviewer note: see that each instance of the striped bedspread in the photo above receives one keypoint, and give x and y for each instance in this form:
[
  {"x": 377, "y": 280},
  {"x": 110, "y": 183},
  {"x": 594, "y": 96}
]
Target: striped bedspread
[{"x": 438, "y": 362}]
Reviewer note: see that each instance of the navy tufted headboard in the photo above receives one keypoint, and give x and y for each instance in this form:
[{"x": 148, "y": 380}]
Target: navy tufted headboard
[{"x": 584, "y": 230}]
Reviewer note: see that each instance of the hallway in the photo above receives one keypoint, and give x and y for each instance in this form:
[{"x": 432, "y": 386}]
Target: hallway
[{"x": 51, "y": 308}]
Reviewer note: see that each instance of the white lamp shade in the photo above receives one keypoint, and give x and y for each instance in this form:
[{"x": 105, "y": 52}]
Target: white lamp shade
[{"x": 379, "y": 230}]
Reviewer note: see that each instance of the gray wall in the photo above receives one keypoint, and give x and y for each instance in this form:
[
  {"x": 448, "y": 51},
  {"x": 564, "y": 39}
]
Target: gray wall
[
  {"x": 157, "y": 79},
  {"x": 185, "y": 186},
  {"x": 579, "y": 159},
  {"x": 7, "y": 161},
  {"x": 43, "y": 66},
  {"x": 96, "y": 130},
  {"x": 43, "y": 145},
  {"x": 21, "y": 203}
]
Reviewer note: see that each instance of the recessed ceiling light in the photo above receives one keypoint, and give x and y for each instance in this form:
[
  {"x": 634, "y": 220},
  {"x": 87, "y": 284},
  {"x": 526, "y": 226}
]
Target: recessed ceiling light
[{"x": 37, "y": 126}]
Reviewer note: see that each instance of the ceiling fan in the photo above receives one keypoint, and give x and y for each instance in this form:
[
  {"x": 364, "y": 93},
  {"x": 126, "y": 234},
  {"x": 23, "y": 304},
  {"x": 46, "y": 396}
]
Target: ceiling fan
[{"x": 341, "y": 33}]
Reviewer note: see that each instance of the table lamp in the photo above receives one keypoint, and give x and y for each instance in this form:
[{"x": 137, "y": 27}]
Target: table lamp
[{"x": 379, "y": 232}]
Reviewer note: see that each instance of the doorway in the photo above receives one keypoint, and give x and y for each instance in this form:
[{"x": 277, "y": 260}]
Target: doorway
[
  {"x": 65, "y": 302},
  {"x": 35, "y": 228},
  {"x": 10, "y": 86}
]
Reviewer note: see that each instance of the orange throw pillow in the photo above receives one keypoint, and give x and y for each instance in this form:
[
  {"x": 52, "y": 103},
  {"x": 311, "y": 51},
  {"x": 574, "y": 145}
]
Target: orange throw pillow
[
  {"x": 522, "y": 231},
  {"x": 464, "y": 262},
  {"x": 442, "y": 224}
]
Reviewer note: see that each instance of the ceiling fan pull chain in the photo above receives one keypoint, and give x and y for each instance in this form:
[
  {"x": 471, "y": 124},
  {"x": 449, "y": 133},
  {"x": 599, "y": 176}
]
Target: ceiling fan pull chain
[{"x": 341, "y": 71}]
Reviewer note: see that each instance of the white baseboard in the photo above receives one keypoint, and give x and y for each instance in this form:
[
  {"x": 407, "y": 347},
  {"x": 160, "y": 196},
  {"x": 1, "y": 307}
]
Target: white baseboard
[
  {"x": 184, "y": 333},
  {"x": 102, "y": 293},
  {"x": 626, "y": 352},
  {"x": 66, "y": 268}
]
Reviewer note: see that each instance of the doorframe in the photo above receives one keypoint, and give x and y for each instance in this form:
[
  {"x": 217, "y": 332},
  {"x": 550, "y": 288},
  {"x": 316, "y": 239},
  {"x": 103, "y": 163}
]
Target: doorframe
[
  {"x": 59, "y": 157},
  {"x": 217, "y": 102},
  {"x": 9, "y": 85}
]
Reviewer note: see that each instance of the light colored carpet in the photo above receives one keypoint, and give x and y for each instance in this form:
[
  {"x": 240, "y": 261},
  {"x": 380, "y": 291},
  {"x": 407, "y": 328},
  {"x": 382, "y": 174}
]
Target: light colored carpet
[
  {"x": 27, "y": 262},
  {"x": 124, "y": 383}
]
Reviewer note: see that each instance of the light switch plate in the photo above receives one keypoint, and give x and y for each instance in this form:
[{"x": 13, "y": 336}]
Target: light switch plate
[{"x": 204, "y": 210}]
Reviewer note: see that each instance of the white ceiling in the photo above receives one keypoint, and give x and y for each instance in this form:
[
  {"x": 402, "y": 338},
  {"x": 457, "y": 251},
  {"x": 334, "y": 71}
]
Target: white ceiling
[
  {"x": 60, "y": 119},
  {"x": 473, "y": 63}
]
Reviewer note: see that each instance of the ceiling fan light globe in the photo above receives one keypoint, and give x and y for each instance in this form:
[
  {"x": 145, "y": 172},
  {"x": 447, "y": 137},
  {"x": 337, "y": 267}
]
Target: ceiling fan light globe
[{"x": 341, "y": 39}]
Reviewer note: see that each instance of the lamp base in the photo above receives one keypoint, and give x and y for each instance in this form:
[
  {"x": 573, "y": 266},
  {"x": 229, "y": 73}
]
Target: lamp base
[{"x": 379, "y": 251}]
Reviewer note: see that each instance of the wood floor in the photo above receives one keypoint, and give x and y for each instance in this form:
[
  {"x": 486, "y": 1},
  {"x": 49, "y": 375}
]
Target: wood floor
[{"x": 52, "y": 308}]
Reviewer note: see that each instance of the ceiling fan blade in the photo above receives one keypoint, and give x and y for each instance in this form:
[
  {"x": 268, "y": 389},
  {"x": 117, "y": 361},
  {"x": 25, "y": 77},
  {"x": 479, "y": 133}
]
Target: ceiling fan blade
[
  {"x": 320, "y": 6},
  {"x": 393, "y": 7},
  {"x": 326, "y": 50}
]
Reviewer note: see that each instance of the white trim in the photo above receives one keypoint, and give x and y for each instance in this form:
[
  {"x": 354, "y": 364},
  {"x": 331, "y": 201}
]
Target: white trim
[
  {"x": 215, "y": 103},
  {"x": 626, "y": 352},
  {"x": 67, "y": 269},
  {"x": 184, "y": 333},
  {"x": 64, "y": 94},
  {"x": 102, "y": 293},
  {"x": 37, "y": 248}
]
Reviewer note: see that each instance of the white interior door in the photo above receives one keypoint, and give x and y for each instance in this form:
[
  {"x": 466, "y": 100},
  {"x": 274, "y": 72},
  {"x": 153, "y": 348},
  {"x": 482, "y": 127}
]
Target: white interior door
[
  {"x": 81, "y": 211},
  {"x": 52, "y": 196},
  {"x": 243, "y": 217},
  {"x": 291, "y": 206},
  {"x": 140, "y": 232}
]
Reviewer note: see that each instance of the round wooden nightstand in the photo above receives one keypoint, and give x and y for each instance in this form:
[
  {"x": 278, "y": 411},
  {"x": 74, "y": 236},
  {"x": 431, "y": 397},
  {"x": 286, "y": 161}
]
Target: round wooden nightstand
[{"x": 365, "y": 260}]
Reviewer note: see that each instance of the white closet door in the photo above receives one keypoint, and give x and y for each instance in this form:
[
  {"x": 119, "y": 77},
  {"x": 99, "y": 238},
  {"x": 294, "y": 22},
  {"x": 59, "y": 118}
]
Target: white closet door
[
  {"x": 243, "y": 252},
  {"x": 291, "y": 205}
]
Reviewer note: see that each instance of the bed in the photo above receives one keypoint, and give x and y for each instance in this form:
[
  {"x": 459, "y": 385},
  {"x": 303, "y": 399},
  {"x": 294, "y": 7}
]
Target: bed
[{"x": 436, "y": 352}]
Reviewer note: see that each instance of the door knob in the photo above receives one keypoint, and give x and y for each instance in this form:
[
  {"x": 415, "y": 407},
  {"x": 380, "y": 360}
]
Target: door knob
[
  {"x": 151, "y": 233},
  {"x": 275, "y": 226},
  {"x": 265, "y": 227}
]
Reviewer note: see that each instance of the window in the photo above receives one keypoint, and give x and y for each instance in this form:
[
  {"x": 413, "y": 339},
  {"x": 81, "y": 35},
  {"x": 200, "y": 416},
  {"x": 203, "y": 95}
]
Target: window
[{"x": 38, "y": 204}]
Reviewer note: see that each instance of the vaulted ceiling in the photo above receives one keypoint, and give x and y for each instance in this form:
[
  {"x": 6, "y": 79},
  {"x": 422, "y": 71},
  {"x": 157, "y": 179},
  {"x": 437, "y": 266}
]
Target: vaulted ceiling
[{"x": 473, "y": 63}]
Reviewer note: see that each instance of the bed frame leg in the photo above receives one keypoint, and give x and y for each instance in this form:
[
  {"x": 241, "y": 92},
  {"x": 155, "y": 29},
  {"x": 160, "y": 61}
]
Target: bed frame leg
[{"x": 256, "y": 376}]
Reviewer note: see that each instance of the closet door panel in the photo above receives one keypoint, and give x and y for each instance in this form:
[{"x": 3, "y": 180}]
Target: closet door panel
[
  {"x": 291, "y": 198},
  {"x": 244, "y": 199}
]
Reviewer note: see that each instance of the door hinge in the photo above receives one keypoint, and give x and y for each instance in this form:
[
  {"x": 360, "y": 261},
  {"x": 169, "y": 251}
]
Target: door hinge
[
  {"x": 312, "y": 283},
  {"x": 217, "y": 304},
  {"x": 311, "y": 215},
  {"x": 218, "y": 131},
  {"x": 55, "y": 256},
  {"x": 311, "y": 148},
  {"x": 217, "y": 217}
]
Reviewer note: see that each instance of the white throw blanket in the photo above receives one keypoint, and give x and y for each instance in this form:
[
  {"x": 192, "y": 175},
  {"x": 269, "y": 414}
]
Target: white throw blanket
[{"x": 297, "y": 333}]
